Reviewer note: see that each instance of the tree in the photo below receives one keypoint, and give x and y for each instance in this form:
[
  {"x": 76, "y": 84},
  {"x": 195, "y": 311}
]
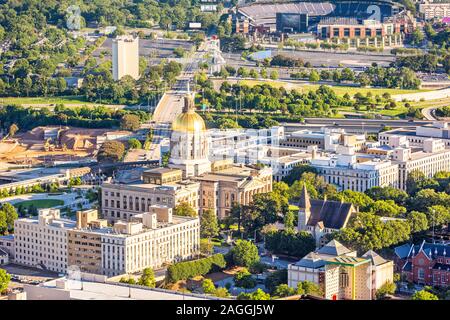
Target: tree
[
  {"x": 245, "y": 253},
  {"x": 256, "y": 295},
  {"x": 253, "y": 74},
  {"x": 385, "y": 289},
  {"x": 314, "y": 76},
  {"x": 424, "y": 295},
  {"x": 221, "y": 292},
  {"x": 244, "y": 279},
  {"x": 283, "y": 290},
  {"x": 111, "y": 151},
  {"x": 206, "y": 246},
  {"x": 3, "y": 223},
  {"x": 387, "y": 208},
  {"x": 184, "y": 209},
  {"x": 413, "y": 181},
  {"x": 13, "y": 129},
  {"x": 236, "y": 214},
  {"x": 4, "y": 280},
  {"x": 387, "y": 193},
  {"x": 274, "y": 75},
  {"x": 418, "y": 221},
  {"x": 208, "y": 286},
  {"x": 10, "y": 215},
  {"x": 130, "y": 122},
  {"x": 289, "y": 242},
  {"x": 134, "y": 143},
  {"x": 209, "y": 226},
  {"x": 417, "y": 37},
  {"x": 308, "y": 287},
  {"x": 148, "y": 278}
]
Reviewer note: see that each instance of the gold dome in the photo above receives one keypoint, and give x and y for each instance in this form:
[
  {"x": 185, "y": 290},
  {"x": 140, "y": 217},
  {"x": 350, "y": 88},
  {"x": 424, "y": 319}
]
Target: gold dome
[{"x": 188, "y": 120}]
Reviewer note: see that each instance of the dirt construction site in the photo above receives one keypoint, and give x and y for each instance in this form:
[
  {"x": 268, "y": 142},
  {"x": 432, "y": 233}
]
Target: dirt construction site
[{"x": 45, "y": 145}]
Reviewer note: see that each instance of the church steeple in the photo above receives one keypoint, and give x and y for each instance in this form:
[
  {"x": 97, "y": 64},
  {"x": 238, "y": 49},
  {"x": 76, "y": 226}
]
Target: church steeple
[
  {"x": 304, "y": 199},
  {"x": 304, "y": 211}
]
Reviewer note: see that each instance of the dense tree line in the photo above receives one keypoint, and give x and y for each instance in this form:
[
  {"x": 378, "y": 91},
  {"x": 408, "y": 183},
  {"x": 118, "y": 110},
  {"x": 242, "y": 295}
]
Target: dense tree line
[
  {"x": 86, "y": 117},
  {"x": 267, "y": 98},
  {"x": 146, "y": 13},
  {"x": 425, "y": 203}
]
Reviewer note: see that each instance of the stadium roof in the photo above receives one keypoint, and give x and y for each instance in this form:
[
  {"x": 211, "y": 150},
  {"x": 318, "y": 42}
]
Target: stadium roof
[{"x": 262, "y": 12}]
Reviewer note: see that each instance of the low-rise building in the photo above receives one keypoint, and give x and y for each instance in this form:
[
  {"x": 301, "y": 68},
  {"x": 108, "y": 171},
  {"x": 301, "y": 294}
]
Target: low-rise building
[
  {"x": 382, "y": 270},
  {"x": 7, "y": 245},
  {"x": 340, "y": 273},
  {"x": 434, "y": 9},
  {"x": 416, "y": 136},
  {"x": 122, "y": 201},
  {"x": 4, "y": 257},
  {"x": 101, "y": 289},
  {"x": 425, "y": 263}
]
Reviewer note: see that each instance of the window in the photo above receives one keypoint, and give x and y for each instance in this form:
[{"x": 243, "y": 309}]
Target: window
[{"x": 420, "y": 274}]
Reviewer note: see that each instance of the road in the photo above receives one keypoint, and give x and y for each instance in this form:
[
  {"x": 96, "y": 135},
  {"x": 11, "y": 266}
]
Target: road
[
  {"x": 429, "y": 112},
  {"x": 421, "y": 96}
]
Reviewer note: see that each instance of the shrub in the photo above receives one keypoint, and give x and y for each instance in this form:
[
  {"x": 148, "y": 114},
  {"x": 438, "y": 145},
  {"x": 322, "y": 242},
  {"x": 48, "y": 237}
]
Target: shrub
[
  {"x": 208, "y": 286},
  {"x": 189, "y": 269}
]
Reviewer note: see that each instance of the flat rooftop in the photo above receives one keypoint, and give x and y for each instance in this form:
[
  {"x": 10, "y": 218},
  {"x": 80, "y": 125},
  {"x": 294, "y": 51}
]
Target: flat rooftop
[
  {"x": 86, "y": 290},
  {"x": 162, "y": 170}
]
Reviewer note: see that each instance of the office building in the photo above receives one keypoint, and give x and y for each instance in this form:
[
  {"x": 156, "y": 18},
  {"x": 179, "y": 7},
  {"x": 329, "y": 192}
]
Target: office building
[
  {"x": 42, "y": 241},
  {"x": 125, "y": 57}
]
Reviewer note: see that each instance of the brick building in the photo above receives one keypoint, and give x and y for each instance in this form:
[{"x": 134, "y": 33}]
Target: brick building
[{"x": 426, "y": 263}]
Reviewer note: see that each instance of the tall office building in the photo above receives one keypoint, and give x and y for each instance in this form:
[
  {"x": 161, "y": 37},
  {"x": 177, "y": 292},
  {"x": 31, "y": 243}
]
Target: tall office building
[{"x": 125, "y": 57}]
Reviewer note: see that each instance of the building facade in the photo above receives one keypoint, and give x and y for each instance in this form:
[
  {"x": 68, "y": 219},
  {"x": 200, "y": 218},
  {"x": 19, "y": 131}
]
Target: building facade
[
  {"x": 150, "y": 239},
  {"x": 125, "y": 57},
  {"x": 340, "y": 273},
  {"x": 434, "y": 10},
  {"x": 344, "y": 170},
  {"x": 416, "y": 136},
  {"x": 425, "y": 263},
  {"x": 42, "y": 242},
  {"x": 322, "y": 217},
  {"x": 430, "y": 159}
]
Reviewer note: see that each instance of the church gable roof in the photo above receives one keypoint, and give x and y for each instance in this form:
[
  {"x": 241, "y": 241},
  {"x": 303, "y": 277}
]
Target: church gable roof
[{"x": 333, "y": 214}]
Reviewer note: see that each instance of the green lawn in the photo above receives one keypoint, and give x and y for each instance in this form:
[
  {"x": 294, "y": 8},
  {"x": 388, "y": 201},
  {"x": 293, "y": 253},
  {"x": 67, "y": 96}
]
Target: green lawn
[
  {"x": 340, "y": 90},
  {"x": 40, "y": 204},
  {"x": 42, "y": 100}
]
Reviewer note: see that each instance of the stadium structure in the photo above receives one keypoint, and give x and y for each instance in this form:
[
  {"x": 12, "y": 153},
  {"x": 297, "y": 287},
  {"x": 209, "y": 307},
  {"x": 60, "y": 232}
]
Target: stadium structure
[{"x": 327, "y": 19}]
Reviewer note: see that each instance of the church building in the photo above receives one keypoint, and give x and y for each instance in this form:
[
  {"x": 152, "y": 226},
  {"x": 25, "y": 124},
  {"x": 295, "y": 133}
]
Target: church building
[{"x": 321, "y": 217}]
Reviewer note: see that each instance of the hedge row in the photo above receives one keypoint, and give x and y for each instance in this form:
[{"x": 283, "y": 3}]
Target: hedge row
[{"x": 189, "y": 269}]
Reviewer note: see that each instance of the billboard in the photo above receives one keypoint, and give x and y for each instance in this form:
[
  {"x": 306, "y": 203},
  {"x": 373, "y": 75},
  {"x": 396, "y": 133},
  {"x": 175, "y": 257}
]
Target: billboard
[{"x": 292, "y": 22}]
